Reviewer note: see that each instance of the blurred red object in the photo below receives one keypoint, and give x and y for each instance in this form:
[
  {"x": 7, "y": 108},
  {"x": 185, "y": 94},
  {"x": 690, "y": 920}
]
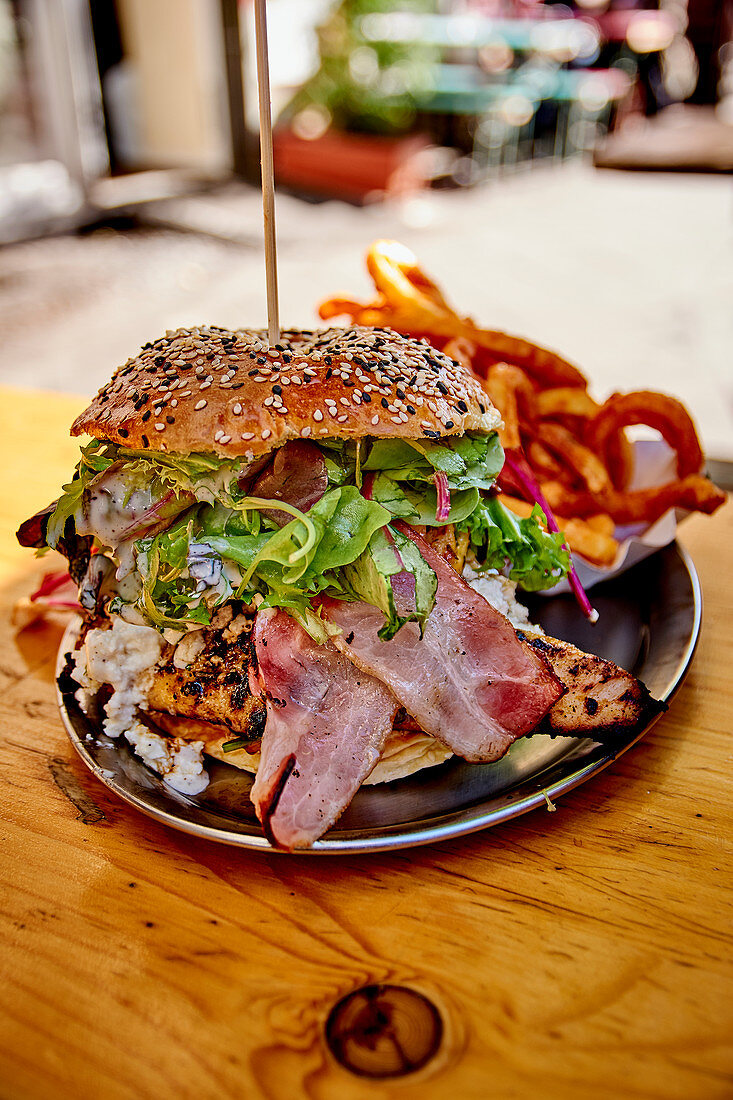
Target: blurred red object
[{"x": 354, "y": 167}]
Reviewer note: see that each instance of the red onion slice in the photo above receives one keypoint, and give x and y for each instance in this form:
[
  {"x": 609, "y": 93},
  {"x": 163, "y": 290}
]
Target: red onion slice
[
  {"x": 50, "y": 583},
  {"x": 442, "y": 510},
  {"x": 403, "y": 583},
  {"x": 520, "y": 471}
]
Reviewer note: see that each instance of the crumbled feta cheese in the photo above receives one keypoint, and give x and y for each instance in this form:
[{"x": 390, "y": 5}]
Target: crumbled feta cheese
[
  {"x": 501, "y": 593},
  {"x": 189, "y": 648},
  {"x": 88, "y": 688},
  {"x": 179, "y": 762},
  {"x": 123, "y": 657},
  {"x": 240, "y": 625}
]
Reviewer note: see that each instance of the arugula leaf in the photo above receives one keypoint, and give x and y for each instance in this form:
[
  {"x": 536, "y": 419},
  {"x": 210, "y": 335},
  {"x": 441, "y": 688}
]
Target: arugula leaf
[{"x": 66, "y": 507}]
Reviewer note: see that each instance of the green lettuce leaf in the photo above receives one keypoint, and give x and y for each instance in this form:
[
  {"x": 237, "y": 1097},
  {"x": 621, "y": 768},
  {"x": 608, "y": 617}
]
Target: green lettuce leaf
[
  {"x": 370, "y": 578},
  {"x": 537, "y": 558},
  {"x": 418, "y": 506}
]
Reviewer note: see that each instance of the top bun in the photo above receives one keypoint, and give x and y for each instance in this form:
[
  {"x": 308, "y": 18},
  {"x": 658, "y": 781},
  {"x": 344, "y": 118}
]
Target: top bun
[{"x": 209, "y": 389}]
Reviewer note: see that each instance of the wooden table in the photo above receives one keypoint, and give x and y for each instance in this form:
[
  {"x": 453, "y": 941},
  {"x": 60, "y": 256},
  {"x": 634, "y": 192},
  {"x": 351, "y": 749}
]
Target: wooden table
[{"x": 582, "y": 953}]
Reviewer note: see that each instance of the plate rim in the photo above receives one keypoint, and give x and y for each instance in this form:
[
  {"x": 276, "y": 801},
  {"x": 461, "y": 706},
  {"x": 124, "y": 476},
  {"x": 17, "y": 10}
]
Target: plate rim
[{"x": 421, "y": 835}]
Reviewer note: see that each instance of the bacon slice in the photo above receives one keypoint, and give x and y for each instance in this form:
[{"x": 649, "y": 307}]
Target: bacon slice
[
  {"x": 470, "y": 681},
  {"x": 326, "y": 727},
  {"x": 297, "y": 476}
]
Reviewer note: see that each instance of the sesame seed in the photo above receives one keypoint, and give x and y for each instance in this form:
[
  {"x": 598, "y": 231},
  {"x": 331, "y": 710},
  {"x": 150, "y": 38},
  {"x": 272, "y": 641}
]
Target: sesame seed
[
  {"x": 306, "y": 430},
  {"x": 237, "y": 409},
  {"x": 200, "y": 405},
  {"x": 248, "y": 435},
  {"x": 160, "y": 427},
  {"x": 341, "y": 419},
  {"x": 375, "y": 420},
  {"x": 266, "y": 434},
  {"x": 225, "y": 439},
  {"x": 318, "y": 415}
]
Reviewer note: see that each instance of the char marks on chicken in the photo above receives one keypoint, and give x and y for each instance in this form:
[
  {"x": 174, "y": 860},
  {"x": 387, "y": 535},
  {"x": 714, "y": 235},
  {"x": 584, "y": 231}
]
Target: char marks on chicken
[
  {"x": 601, "y": 700},
  {"x": 219, "y": 684}
]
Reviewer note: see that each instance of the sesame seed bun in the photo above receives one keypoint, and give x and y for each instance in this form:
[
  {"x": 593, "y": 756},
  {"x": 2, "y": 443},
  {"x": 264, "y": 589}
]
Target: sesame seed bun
[{"x": 210, "y": 389}]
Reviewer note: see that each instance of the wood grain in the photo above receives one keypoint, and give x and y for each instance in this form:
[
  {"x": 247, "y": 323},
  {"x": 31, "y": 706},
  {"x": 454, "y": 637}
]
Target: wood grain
[{"x": 574, "y": 954}]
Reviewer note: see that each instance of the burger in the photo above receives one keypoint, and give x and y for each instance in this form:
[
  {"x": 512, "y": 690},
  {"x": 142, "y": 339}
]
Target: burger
[{"x": 294, "y": 558}]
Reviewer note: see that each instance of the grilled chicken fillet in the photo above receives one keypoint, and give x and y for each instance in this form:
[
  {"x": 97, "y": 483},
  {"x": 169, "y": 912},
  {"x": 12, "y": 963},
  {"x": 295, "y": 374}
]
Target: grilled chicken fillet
[
  {"x": 601, "y": 700},
  {"x": 215, "y": 686}
]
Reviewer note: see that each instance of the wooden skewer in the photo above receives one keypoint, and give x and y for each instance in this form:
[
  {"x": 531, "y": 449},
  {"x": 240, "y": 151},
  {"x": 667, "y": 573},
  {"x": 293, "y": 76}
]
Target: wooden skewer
[{"x": 268, "y": 171}]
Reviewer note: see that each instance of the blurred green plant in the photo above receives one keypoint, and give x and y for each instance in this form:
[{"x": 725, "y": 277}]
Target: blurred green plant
[{"x": 364, "y": 84}]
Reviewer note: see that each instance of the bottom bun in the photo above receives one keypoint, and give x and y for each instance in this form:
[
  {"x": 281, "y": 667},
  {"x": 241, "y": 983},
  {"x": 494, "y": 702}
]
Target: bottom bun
[{"x": 405, "y": 751}]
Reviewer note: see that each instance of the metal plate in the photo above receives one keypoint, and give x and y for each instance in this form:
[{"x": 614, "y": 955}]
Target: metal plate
[{"x": 649, "y": 623}]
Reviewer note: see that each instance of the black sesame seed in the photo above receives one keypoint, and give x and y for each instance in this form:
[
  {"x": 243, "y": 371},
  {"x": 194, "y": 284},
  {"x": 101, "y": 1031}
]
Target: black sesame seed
[
  {"x": 171, "y": 419},
  {"x": 277, "y": 389},
  {"x": 400, "y": 393},
  {"x": 462, "y": 406},
  {"x": 327, "y": 360},
  {"x": 146, "y": 415},
  {"x": 482, "y": 407},
  {"x": 145, "y": 441},
  {"x": 442, "y": 387},
  {"x": 449, "y": 424},
  {"x": 385, "y": 403},
  {"x": 124, "y": 433},
  {"x": 329, "y": 372},
  {"x": 367, "y": 398},
  {"x": 160, "y": 360},
  {"x": 410, "y": 410}
]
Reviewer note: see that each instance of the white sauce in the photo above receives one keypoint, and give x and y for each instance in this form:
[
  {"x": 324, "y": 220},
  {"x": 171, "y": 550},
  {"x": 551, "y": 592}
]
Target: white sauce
[{"x": 108, "y": 512}]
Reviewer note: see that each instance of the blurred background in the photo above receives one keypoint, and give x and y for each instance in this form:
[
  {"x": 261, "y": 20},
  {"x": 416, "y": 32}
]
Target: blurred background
[{"x": 562, "y": 170}]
